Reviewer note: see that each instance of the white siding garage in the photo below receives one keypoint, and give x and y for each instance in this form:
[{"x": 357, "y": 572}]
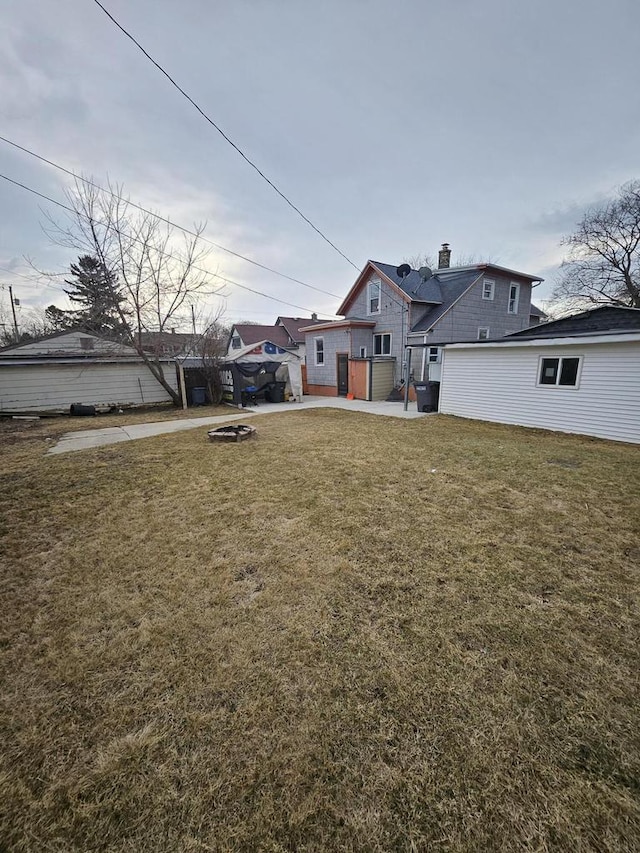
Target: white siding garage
[{"x": 588, "y": 385}]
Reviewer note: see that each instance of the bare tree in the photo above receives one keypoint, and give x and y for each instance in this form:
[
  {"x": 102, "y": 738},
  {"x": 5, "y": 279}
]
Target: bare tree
[
  {"x": 157, "y": 268},
  {"x": 603, "y": 267},
  {"x": 426, "y": 260},
  {"x": 209, "y": 349}
]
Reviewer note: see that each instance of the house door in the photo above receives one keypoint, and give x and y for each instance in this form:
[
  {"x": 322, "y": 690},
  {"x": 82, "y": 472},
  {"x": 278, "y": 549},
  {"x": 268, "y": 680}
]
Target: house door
[{"x": 343, "y": 374}]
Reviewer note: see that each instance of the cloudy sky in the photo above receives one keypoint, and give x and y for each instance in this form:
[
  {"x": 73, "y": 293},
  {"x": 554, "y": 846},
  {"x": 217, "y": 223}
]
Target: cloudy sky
[{"x": 394, "y": 125}]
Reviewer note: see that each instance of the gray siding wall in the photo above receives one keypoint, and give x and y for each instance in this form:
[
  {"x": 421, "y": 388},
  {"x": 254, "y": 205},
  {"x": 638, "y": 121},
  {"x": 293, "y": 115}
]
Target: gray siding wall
[
  {"x": 498, "y": 383},
  {"x": 361, "y": 338},
  {"x": 335, "y": 341},
  {"x": 393, "y": 317},
  {"x": 461, "y": 323},
  {"x": 54, "y": 387}
]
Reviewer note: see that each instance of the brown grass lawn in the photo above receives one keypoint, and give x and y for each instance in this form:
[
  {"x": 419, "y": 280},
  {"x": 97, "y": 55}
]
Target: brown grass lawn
[{"x": 351, "y": 633}]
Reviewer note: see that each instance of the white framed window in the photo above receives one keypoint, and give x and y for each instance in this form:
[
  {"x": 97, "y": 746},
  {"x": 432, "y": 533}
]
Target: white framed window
[
  {"x": 433, "y": 355},
  {"x": 373, "y": 296},
  {"x": 488, "y": 289},
  {"x": 514, "y": 298},
  {"x": 559, "y": 372},
  {"x": 363, "y": 352},
  {"x": 382, "y": 344},
  {"x": 483, "y": 333},
  {"x": 318, "y": 345},
  {"x": 236, "y": 343}
]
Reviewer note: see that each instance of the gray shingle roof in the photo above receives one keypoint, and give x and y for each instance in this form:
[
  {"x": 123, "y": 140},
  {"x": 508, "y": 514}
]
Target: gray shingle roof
[
  {"x": 413, "y": 285},
  {"x": 606, "y": 318},
  {"x": 452, "y": 286}
]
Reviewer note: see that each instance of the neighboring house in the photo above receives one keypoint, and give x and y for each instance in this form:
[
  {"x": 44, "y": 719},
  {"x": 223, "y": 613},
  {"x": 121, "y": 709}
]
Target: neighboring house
[
  {"x": 580, "y": 374},
  {"x": 169, "y": 343},
  {"x": 286, "y": 332},
  {"x": 391, "y": 307},
  {"x": 47, "y": 375}
]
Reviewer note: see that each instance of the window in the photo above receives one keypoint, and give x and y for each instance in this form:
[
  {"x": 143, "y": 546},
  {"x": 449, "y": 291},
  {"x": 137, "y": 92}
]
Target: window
[
  {"x": 87, "y": 343},
  {"x": 236, "y": 342},
  {"x": 483, "y": 333},
  {"x": 319, "y": 346},
  {"x": 514, "y": 298},
  {"x": 559, "y": 371},
  {"x": 363, "y": 352},
  {"x": 488, "y": 288},
  {"x": 373, "y": 296},
  {"x": 382, "y": 344},
  {"x": 433, "y": 355}
]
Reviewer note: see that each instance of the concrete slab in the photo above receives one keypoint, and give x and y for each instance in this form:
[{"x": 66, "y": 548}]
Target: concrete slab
[{"x": 85, "y": 439}]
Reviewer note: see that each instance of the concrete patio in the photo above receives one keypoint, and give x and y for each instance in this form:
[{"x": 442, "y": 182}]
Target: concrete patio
[{"x": 85, "y": 439}]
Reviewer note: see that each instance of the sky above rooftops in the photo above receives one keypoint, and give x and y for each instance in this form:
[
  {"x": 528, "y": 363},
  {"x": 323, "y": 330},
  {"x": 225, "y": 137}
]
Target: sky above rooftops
[{"x": 394, "y": 126}]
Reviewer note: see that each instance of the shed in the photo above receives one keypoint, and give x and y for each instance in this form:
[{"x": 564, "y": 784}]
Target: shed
[
  {"x": 258, "y": 364},
  {"x": 48, "y": 374},
  {"x": 586, "y": 383}
]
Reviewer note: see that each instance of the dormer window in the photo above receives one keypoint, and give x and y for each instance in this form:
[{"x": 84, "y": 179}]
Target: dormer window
[
  {"x": 488, "y": 289},
  {"x": 514, "y": 298},
  {"x": 236, "y": 342},
  {"x": 373, "y": 296}
]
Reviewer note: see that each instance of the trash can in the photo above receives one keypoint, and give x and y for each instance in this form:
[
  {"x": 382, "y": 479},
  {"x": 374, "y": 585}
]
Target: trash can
[
  {"x": 198, "y": 396},
  {"x": 79, "y": 410},
  {"x": 428, "y": 394},
  {"x": 274, "y": 393}
]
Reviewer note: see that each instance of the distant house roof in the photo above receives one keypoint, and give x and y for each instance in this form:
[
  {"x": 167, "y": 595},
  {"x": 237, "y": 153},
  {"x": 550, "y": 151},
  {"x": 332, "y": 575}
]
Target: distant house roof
[
  {"x": 251, "y": 334},
  {"x": 604, "y": 318},
  {"x": 534, "y": 311},
  {"x": 166, "y": 342},
  {"x": 293, "y": 325}
]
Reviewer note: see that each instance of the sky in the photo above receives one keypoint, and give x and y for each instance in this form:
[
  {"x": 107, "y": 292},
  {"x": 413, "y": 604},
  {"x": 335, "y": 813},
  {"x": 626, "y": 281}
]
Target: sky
[{"x": 393, "y": 125}]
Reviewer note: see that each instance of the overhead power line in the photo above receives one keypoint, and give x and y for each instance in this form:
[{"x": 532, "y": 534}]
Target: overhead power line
[
  {"x": 166, "y": 254},
  {"x": 161, "y": 218},
  {"x": 34, "y": 280},
  {"x": 223, "y": 134}
]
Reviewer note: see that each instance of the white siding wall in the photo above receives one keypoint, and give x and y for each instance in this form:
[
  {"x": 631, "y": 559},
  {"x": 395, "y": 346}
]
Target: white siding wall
[
  {"x": 54, "y": 387},
  {"x": 499, "y": 384}
]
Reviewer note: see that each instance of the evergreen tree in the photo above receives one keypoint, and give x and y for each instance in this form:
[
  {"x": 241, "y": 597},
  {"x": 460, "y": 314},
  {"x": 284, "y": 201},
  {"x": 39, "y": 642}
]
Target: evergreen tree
[{"x": 96, "y": 291}]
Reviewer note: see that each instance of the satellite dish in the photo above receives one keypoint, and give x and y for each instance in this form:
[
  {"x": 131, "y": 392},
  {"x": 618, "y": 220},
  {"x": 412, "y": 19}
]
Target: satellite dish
[
  {"x": 403, "y": 270},
  {"x": 425, "y": 273}
]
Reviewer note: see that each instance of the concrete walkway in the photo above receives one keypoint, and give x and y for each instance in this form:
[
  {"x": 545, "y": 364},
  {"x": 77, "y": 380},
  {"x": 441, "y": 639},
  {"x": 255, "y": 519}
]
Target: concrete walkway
[{"x": 85, "y": 439}]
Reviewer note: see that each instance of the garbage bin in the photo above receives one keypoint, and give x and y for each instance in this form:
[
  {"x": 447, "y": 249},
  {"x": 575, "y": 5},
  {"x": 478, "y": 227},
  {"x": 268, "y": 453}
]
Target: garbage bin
[
  {"x": 427, "y": 394},
  {"x": 198, "y": 396},
  {"x": 274, "y": 392}
]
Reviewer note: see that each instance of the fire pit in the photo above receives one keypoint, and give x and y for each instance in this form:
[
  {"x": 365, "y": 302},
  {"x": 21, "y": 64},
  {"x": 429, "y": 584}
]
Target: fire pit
[{"x": 235, "y": 432}]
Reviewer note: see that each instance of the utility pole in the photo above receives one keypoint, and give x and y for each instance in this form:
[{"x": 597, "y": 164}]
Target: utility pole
[
  {"x": 13, "y": 311},
  {"x": 193, "y": 320}
]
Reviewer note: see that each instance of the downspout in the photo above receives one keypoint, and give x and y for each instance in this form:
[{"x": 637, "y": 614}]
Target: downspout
[{"x": 424, "y": 357}]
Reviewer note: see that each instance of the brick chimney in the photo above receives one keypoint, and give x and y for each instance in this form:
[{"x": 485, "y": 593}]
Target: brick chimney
[
  {"x": 444, "y": 257},
  {"x": 314, "y": 317}
]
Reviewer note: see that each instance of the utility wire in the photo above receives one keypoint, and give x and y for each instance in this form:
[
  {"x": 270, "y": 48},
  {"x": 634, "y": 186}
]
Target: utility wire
[
  {"x": 161, "y": 218},
  {"x": 223, "y": 134},
  {"x": 35, "y": 282},
  {"x": 166, "y": 254}
]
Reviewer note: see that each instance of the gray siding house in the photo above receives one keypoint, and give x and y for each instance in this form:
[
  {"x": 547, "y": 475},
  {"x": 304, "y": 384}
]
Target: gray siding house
[{"x": 389, "y": 308}]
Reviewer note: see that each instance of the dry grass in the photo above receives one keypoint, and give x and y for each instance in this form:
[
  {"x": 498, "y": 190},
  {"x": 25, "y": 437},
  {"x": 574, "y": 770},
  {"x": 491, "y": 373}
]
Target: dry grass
[{"x": 351, "y": 633}]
